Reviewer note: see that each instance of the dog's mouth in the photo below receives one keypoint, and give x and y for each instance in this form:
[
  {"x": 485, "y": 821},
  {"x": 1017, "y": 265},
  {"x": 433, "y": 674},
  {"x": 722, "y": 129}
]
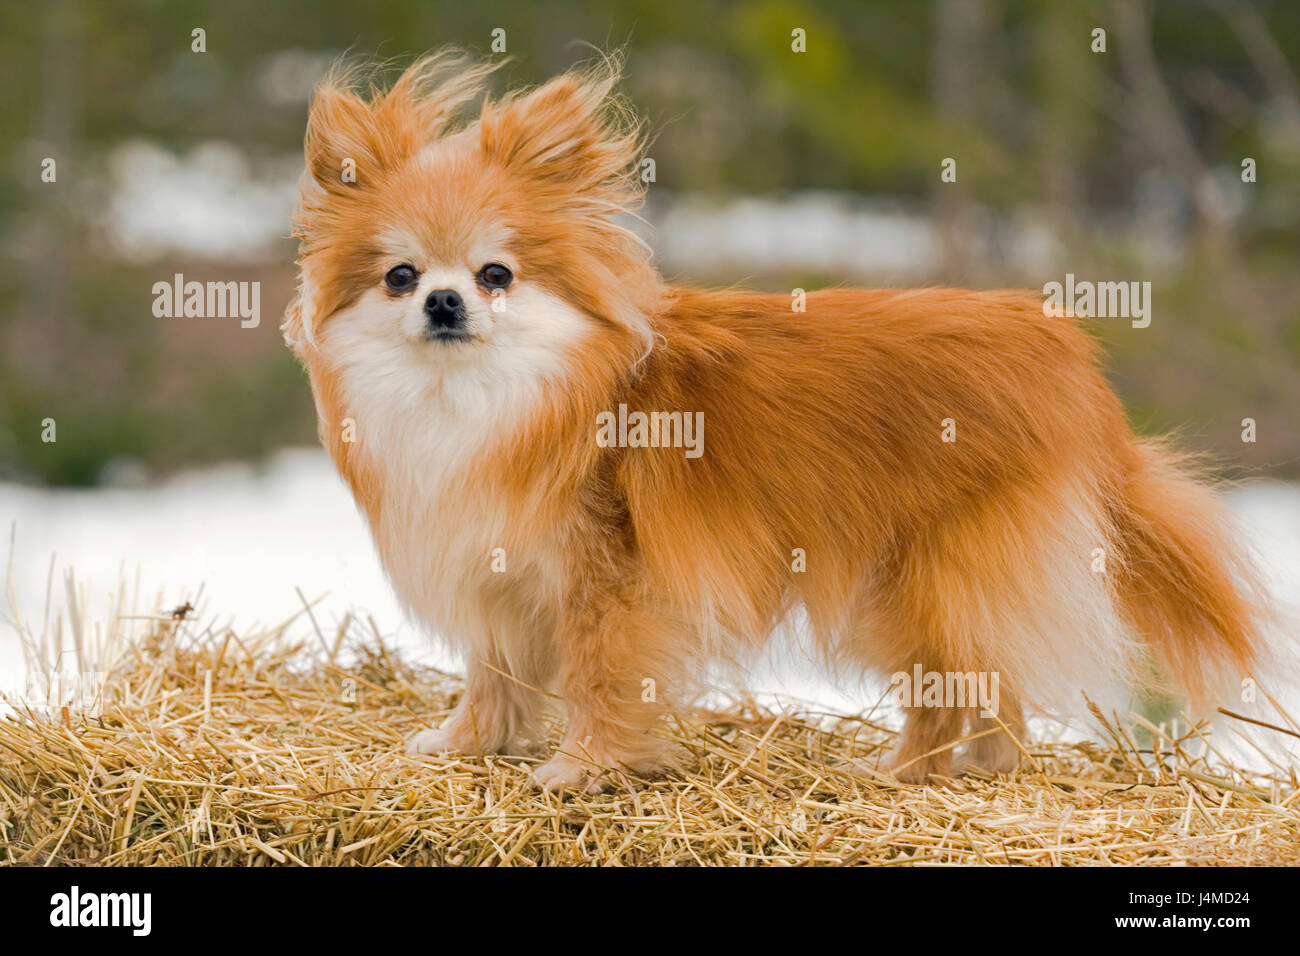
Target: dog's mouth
[{"x": 447, "y": 336}]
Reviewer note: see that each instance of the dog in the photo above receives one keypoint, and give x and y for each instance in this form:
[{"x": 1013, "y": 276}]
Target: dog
[{"x": 927, "y": 476}]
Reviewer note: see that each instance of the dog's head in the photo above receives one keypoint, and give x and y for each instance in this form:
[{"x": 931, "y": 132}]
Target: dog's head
[{"x": 487, "y": 246}]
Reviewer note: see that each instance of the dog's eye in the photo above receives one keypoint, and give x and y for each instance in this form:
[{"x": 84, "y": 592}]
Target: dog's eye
[
  {"x": 402, "y": 278},
  {"x": 495, "y": 276}
]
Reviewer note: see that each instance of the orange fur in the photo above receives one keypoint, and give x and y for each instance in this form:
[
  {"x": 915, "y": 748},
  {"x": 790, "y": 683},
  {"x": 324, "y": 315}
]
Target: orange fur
[{"x": 627, "y": 568}]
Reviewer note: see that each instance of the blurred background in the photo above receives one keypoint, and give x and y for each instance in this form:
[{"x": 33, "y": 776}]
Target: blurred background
[{"x": 185, "y": 447}]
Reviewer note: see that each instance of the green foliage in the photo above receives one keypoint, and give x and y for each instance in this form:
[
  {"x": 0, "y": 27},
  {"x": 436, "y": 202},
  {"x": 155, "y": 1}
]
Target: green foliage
[{"x": 1038, "y": 123}]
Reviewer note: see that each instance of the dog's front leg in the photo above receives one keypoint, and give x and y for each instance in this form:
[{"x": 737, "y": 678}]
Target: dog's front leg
[
  {"x": 615, "y": 656},
  {"x": 494, "y": 715}
]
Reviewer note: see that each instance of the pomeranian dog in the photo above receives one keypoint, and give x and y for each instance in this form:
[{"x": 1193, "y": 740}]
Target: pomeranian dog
[{"x": 595, "y": 483}]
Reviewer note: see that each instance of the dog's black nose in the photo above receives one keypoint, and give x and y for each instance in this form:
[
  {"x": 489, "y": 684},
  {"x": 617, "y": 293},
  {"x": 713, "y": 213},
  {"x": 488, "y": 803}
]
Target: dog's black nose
[{"x": 444, "y": 309}]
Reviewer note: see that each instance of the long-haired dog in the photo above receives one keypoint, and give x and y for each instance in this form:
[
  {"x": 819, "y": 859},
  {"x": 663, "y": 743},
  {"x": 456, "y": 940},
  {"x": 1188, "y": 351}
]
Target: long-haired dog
[{"x": 502, "y": 377}]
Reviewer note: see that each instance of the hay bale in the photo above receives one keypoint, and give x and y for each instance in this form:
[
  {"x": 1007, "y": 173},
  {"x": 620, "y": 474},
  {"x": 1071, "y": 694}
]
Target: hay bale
[{"x": 219, "y": 749}]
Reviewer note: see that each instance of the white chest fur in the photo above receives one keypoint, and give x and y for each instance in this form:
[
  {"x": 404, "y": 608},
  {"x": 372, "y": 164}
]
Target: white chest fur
[{"x": 425, "y": 416}]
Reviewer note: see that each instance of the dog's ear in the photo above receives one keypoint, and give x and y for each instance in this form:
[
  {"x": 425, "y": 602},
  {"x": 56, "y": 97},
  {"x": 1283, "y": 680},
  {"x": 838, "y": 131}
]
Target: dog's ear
[
  {"x": 568, "y": 135},
  {"x": 353, "y": 139},
  {"x": 345, "y": 147}
]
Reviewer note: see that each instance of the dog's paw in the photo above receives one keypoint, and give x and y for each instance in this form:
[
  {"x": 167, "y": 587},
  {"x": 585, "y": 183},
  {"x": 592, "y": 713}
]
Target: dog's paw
[
  {"x": 867, "y": 768},
  {"x": 563, "y": 772},
  {"x": 923, "y": 770},
  {"x": 992, "y": 755},
  {"x": 873, "y": 771},
  {"x": 439, "y": 740}
]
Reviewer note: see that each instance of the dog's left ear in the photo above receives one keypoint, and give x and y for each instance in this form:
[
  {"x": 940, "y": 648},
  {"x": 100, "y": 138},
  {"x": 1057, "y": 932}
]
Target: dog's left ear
[{"x": 568, "y": 135}]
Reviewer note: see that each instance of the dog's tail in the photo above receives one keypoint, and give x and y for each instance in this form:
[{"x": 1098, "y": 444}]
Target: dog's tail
[{"x": 1185, "y": 584}]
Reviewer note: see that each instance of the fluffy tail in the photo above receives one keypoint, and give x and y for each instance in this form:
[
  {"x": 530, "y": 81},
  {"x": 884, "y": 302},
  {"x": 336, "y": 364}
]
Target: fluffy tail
[{"x": 1185, "y": 584}]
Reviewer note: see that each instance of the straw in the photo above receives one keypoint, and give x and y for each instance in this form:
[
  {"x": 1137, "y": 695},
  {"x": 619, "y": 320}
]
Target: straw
[{"x": 209, "y": 747}]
